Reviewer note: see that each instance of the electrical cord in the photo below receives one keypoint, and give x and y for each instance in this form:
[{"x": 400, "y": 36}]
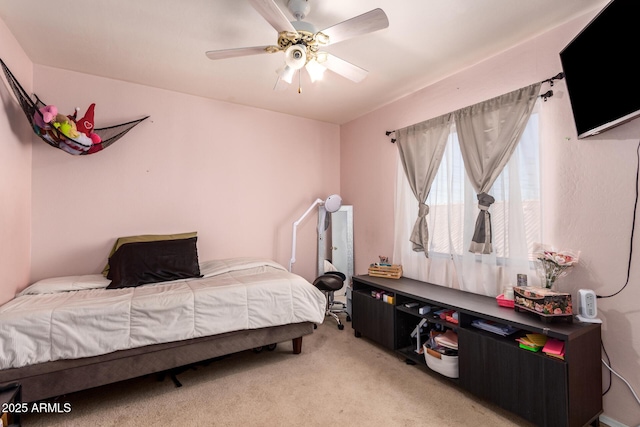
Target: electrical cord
[
  {"x": 625, "y": 381},
  {"x": 609, "y": 364},
  {"x": 633, "y": 228}
]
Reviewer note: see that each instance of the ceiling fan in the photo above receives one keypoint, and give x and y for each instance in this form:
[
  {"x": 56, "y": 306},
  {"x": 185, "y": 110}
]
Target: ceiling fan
[{"x": 302, "y": 43}]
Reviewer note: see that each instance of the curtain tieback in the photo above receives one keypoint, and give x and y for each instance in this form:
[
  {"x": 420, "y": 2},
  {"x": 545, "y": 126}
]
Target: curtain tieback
[
  {"x": 485, "y": 200},
  {"x": 423, "y": 211},
  {"x": 481, "y": 241}
]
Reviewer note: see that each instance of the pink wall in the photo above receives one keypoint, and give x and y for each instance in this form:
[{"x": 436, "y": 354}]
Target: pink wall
[
  {"x": 241, "y": 176},
  {"x": 15, "y": 173},
  {"x": 238, "y": 176},
  {"x": 589, "y": 188}
]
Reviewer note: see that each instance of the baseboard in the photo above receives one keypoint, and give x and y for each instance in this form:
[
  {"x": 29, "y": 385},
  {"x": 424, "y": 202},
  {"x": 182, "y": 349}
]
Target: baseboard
[{"x": 611, "y": 422}]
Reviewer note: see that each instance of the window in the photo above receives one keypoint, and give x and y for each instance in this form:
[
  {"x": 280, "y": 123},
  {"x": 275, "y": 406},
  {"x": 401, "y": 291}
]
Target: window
[
  {"x": 451, "y": 191},
  {"x": 515, "y": 218}
]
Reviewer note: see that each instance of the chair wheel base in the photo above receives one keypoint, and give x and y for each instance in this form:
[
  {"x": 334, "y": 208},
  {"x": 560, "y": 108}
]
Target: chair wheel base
[{"x": 341, "y": 326}]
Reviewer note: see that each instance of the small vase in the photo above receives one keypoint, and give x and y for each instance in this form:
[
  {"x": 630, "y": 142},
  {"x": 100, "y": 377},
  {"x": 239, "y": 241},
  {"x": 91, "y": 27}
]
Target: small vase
[{"x": 548, "y": 282}]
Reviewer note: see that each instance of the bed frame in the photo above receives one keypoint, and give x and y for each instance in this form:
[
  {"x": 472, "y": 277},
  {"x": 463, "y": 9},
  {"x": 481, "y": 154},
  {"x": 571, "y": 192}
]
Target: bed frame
[{"x": 50, "y": 379}]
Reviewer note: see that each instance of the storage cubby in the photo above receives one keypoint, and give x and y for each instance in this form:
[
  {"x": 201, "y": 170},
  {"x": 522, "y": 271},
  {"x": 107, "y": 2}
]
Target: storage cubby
[
  {"x": 407, "y": 319},
  {"x": 373, "y": 318},
  {"x": 544, "y": 390}
]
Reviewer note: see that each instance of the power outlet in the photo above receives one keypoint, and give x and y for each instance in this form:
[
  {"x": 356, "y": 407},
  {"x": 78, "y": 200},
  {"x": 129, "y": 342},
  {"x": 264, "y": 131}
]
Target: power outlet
[
  {"x": 588, "y": 310},
  {"x": 587, "y": 303}
]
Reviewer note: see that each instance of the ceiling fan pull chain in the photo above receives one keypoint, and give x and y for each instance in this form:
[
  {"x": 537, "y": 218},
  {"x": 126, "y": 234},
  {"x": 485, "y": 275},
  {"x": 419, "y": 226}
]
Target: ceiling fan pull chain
[{"x": 300, "y": 81}]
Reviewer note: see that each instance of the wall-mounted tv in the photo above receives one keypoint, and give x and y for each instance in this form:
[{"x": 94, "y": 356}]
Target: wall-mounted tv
[{"x": 601, "y": 71}]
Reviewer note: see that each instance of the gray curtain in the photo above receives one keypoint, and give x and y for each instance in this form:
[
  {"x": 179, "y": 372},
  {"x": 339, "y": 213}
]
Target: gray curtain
[
  {"x": 489, "y": 133},
  {"x": 421, "y": 147}
]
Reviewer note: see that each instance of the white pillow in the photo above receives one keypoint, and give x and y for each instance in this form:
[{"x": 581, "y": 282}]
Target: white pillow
[{"x": 65, "y": 284}]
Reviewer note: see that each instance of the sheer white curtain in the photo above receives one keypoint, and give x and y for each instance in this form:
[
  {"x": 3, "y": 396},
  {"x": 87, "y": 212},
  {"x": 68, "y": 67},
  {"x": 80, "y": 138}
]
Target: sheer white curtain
[
  {"x": 438, "y": 267},
  {"x": 421, "y": 147},
  {"x": 452, "y": 217},
  {"x": 489, "y": 133}
]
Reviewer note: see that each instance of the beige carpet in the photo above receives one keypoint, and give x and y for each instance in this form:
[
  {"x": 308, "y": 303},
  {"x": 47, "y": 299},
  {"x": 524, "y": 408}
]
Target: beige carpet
[{"x": 337, "y": 380}]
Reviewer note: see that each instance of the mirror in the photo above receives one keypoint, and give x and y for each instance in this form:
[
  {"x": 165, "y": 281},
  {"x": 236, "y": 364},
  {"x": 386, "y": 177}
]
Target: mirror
[{"x": 335, "y": 248}]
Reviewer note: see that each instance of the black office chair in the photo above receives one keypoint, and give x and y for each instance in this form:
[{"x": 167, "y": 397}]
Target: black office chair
[
  {"x": 333, "y": 301},
  {"x": 328, "y": 283}
]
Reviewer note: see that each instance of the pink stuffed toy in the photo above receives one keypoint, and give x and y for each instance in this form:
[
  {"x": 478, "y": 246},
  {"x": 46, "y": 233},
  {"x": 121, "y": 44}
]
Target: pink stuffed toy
[{"x": 45, "y": 116}]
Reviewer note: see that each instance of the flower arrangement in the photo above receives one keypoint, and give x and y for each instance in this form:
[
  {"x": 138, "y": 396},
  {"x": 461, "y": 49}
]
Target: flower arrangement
[{"x": 552, "y": 264}]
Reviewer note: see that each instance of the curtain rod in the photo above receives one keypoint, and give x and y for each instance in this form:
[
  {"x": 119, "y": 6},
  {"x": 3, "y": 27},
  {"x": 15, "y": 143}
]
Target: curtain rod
[{"x": 548, "y": 94}]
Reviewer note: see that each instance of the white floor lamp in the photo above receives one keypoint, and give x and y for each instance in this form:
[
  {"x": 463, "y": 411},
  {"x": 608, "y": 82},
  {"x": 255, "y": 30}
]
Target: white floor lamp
[{"x": 331, "y": 204}]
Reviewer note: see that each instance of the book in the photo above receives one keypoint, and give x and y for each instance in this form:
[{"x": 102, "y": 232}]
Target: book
[
  {"x": 554, "y": 348},
  {"x": 538, "y": 339},
  {"x": 496, "y": 328},
  {"x": 526, "y": 347},
  {"x": 532, "y": 342},
  {"x": 557, "y": 356},
  {"x": 449, "y": 339}
]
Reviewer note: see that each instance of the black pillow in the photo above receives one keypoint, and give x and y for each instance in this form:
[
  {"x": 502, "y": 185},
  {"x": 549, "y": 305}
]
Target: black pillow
[{"x": 139, "y": 263}]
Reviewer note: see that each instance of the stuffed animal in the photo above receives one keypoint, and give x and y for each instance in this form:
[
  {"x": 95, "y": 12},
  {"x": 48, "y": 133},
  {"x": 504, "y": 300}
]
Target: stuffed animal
[
  {"x": 75, "y": 142},
  {"x": 43, "y": 117},
  {"x": 95, "y": 148},
  {"x": 65, "y": 126},
  {"x": 85, "y": 125},
  {"x": 76, "y": 146},
  {"x": 74, "y": 136}
]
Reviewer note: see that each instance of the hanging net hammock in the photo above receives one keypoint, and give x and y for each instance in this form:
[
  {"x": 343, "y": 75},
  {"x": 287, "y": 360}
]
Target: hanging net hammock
[{"x": 62, "y": 131}]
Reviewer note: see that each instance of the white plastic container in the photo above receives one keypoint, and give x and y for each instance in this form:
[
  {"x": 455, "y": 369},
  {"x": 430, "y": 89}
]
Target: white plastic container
[{"x": 445, "y": 365}]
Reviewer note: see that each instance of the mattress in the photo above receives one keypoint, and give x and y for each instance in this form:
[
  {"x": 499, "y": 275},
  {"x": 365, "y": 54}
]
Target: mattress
[{"x": 76, "y": 316}]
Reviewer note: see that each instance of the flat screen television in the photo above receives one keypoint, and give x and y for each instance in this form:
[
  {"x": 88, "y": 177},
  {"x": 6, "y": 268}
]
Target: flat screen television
[{"x": 601, "y": 69}]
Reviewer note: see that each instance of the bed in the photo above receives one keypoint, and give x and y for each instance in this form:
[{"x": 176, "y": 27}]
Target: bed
[{"x": 69, "y": 334}]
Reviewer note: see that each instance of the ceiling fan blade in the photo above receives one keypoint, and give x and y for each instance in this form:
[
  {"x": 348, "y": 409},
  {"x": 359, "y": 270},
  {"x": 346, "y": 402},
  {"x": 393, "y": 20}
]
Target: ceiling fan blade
[
  {"x": 274, "y": 16},
  {"x": 233, "y": 53},
  {"x": 369, "y": 22},
  {"x": 344, "y": 68}
]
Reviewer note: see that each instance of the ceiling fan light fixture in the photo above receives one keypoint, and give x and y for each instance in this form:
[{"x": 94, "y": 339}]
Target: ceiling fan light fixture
[
  {"x": 315, "y": 70},
  {"x": 321, "y": 57},
  {"x": 287, "y": 73},
  {"x": 295, "y": 56}
]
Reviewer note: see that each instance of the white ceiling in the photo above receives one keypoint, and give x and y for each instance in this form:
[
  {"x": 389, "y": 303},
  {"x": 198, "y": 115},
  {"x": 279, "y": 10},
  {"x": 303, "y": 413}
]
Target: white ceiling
[{"x": 162, "y": 43}]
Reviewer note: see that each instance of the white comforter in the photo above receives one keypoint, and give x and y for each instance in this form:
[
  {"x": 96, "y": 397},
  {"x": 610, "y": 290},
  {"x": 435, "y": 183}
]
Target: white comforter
[{"x": 73, "y": 317}]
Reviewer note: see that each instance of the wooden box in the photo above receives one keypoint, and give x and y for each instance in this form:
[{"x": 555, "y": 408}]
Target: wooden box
[
  {"x": 544, "y": 302},
  {"x": 389, "y": 271}
]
